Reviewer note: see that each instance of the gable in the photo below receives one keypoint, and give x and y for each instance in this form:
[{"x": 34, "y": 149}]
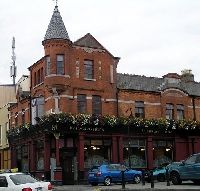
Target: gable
[{"x": 88, "y": 41}]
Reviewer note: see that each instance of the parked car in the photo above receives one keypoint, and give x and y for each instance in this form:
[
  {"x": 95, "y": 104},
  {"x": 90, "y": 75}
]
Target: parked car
[
  {"x": 188, "y": 169},
  {"x": 159, "y": 173},
  {"x": 22, "y": 182},
  {"x": 112, "y": 173}
]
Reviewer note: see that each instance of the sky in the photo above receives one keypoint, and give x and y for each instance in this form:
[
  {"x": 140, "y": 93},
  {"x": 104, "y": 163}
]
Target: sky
[{"x": 152, "y": 37}]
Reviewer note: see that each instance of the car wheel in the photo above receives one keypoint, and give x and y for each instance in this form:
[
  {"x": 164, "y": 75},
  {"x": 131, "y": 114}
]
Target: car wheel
[
  {"x": 161, "y": 177},
  {"x": 94, "y": 183},
  {"x": 137, "y": 179},
  {"x": 175, "y": 178},
  {"x": 107, "y": 181}
]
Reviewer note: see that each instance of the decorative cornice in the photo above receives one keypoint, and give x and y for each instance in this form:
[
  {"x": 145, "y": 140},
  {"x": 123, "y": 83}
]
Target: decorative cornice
[{"x": 89, "y": 50}]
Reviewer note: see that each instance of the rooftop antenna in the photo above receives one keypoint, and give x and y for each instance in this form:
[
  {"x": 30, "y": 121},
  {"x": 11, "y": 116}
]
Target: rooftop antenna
[{"x": 13, "y": 68}]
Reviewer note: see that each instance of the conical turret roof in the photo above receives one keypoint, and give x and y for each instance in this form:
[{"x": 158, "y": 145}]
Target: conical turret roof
[{"x": 56, "y": 28}]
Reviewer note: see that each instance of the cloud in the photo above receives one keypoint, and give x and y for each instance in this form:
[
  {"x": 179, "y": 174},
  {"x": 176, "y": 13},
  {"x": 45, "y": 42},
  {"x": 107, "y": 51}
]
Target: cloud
[{"x": 152, "y": 37}]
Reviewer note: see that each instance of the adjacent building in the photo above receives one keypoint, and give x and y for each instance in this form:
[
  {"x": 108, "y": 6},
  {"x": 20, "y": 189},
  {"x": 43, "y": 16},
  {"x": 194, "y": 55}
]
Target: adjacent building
[{"x": 7, "y": 96}]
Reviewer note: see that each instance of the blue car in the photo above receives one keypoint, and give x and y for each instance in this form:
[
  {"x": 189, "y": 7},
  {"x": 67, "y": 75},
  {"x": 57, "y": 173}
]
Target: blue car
[{"x": 112, "y": 173}]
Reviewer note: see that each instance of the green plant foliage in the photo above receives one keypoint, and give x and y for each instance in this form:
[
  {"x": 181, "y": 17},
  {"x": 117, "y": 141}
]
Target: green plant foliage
[{"x": 67, "y": 122}]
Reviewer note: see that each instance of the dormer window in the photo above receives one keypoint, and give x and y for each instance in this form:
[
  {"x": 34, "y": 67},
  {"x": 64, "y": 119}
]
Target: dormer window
[
  {"x": 172, "y": 78},
  {"x": 88, "y": 69},
  {"x": 60, "y": 65}
]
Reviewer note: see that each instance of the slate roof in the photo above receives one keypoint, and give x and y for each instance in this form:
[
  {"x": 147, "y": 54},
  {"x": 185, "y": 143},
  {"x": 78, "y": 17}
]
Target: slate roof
[
  {"x": 56, "y": 28},
  {"x": 88, "y": 41},
  {"x": 153, "y": 84}
]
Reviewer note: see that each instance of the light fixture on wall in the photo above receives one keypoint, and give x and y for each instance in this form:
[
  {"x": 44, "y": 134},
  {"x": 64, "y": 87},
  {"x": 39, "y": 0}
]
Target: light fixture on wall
[
  {"x": 167, "y": 149},
  {"x": 95, "y": 148}
]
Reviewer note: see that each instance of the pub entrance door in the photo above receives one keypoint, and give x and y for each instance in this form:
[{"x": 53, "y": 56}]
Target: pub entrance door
[{"x": 68, "y": 166}]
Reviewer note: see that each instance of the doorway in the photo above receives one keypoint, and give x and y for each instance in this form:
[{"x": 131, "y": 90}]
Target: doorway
[{"x": 68, "y": 166}]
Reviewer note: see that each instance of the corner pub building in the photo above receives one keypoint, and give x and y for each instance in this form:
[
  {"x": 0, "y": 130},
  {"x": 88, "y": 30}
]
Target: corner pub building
[{"x": 81, "y": 112}]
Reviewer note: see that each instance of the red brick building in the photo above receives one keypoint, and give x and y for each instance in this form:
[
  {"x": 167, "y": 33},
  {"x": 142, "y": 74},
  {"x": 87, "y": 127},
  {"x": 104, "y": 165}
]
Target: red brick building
[{"x": 81, "y": 78}]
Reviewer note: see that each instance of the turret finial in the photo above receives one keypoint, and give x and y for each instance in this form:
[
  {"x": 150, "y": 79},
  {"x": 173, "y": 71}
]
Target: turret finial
[{"x": 56, "y": 2}]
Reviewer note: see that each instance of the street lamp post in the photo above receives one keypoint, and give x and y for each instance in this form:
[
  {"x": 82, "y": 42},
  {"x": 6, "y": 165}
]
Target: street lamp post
[
  {"x": 129, "y": 159},
  {"x": 129, "y": 141}
]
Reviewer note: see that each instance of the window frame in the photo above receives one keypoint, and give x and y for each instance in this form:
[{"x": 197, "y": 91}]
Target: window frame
[
  {"x": 81, "y": 103},
  {"x": 23, "y": 116},
  {"x": 38, "y": 77},
  {"x": 42, "y": 74},
  {"x": 48, "y": 65},
  {"x": 169, "y": 108},
  {"x": 35, "y": 78},
  {"x": 60, "y": 64},
  {"x": 16, "y": 119},
  {"x": 37, "y": 108},
  {"x": 139, "y": 109},
  {"x": 96, "y": 105},
  {"x": 180, "y": 111},
  {"x": 88, "y": 69}
]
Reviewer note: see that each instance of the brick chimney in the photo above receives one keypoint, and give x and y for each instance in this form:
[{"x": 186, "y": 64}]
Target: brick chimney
[{"x": 187, "y": 76}]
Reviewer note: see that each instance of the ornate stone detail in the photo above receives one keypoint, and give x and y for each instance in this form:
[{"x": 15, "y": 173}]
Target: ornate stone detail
[
  {"x": 89, "y": 50},
  {"x": 77, "y": 72},
  {"x": 77, "y": 63}
]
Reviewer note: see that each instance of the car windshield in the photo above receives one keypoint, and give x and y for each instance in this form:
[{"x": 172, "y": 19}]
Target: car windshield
[
  {"x": 117, "y": 167},
  {"x": 94, "y": 169},
  {"x": 22, "y": 179},
  {"x": 191, "y": 160}
]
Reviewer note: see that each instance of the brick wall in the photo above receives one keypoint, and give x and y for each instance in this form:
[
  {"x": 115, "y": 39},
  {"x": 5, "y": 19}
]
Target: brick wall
[
  {"x": 155, "y": 104},
  {"x": 73, "y": 82}
]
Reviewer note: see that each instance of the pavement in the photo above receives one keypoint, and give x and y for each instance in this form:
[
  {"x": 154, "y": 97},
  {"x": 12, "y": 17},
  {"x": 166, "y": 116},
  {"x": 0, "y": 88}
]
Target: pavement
[{"x": 187, "y": 186}]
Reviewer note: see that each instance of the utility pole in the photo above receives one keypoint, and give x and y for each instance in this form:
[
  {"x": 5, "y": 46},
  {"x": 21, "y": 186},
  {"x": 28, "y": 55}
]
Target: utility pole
[{"x": 13, "y": 68}]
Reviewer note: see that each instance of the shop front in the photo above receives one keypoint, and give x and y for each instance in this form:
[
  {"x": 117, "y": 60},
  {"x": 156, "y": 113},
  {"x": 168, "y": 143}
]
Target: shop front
[
  {"x": 96, "y": 152},
  {"x": 134, "y": 153},
  {"x": 163, "y": 152},
  {"x": 78, "y": 153}
]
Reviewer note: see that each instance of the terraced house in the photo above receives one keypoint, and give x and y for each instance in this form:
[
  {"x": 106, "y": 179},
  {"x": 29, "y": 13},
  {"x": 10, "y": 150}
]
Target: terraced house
[{"x": 81, "y": 112}]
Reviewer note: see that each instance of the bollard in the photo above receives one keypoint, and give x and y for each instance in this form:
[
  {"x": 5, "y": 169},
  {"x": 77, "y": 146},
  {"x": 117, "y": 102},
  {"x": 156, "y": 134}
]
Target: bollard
[
  {"x": 123, "y": 180},
  {"x": 152, "y": 180},
  {"x": 167, "y": 177},
  {"x": 143, "y": 177}
]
